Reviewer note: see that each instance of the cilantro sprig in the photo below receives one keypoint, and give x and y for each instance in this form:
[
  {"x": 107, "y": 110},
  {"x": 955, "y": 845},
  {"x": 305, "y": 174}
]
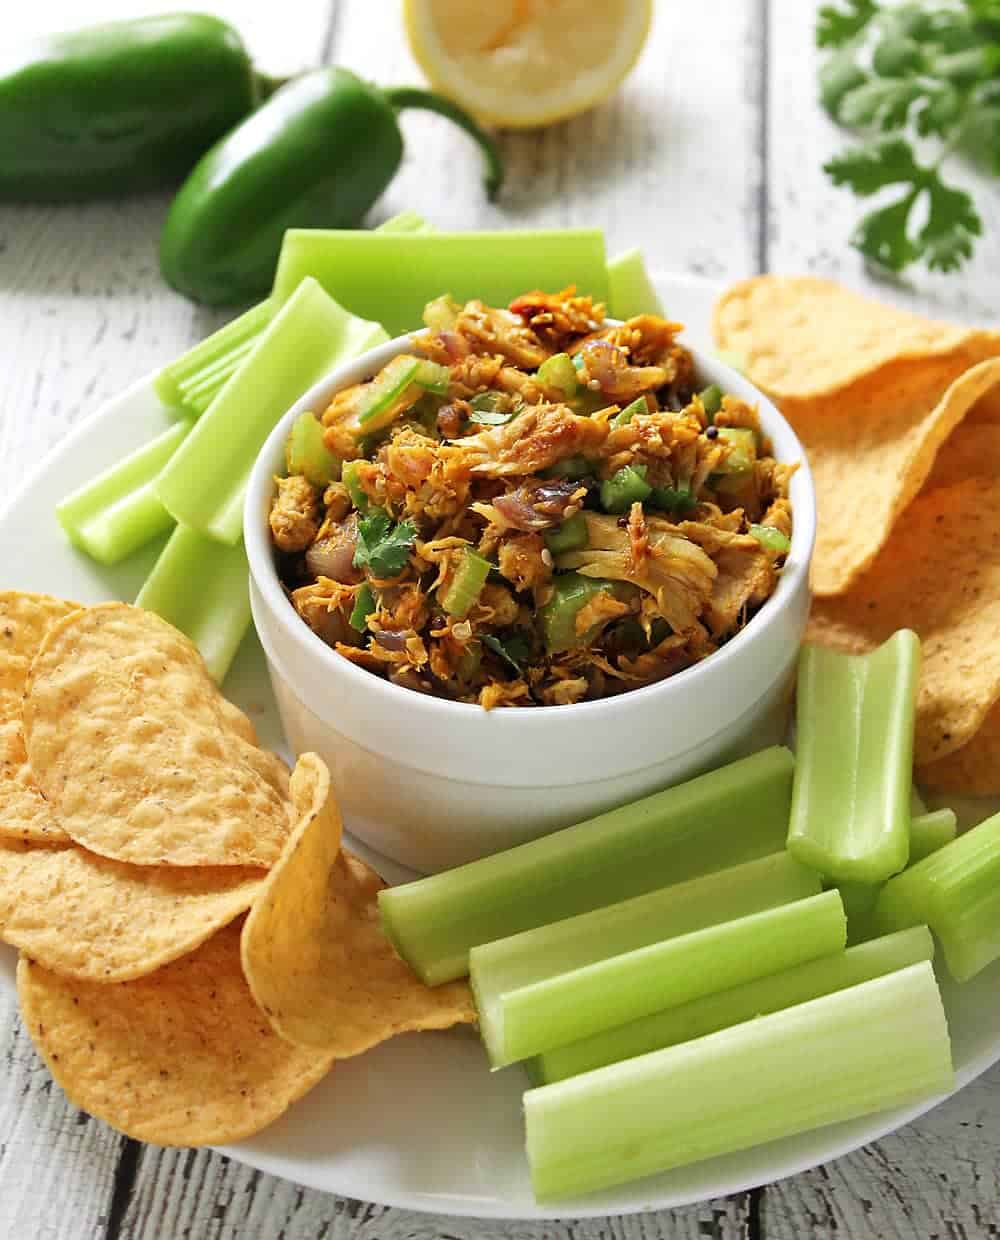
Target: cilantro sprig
[
  {"x": 913, "y": 76},
  {"x": 383, "y": 548}
]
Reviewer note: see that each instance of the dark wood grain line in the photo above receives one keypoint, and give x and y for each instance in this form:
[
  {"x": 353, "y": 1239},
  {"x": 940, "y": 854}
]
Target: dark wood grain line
[
  {"x": 124, "y": 1184},
  {"x": 330, "y": 33},
  {"x": 755, "y": 1200},
  {"x": 763, "y": 99}
]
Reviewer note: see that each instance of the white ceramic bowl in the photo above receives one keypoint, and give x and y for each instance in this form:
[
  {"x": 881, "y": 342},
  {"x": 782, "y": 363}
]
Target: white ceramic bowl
[{"x": 431, "y": 783}]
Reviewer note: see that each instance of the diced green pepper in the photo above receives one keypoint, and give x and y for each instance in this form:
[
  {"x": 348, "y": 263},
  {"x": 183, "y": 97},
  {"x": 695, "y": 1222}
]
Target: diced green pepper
[
  {"x": 771, "y": 539},
  {"x": 307, "y": 454},
  {"x": 433, "y": 377},
  {"x": 742, "y": 449},
  {"x": 385, "y": 390},
  {"x": 570, "y": 536},
  {"x": 711, "y": 400},
  {"x": 571, "y": 592},
  {"x": 465, "y": 585},
  {"x": 349, "y": 477},
  {"x": 625, "y": 488},
  {"x": 569, "y": 467},
  {"x": 639, "y": 405},
  {"x": 676, "y": 500},
  {"x": 364, "y": 606},
  {"x": 559, "y": 372}
]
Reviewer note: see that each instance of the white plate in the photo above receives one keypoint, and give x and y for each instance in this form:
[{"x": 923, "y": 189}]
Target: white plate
[{"x": 420, "y": 1122}]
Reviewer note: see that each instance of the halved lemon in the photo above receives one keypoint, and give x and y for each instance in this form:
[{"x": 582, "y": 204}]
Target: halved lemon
[{"x": 522, "y": 63}]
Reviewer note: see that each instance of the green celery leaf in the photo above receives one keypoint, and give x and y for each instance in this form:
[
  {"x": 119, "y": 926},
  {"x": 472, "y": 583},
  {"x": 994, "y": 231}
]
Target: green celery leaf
[
  {"x": 382, "y": 549},
  {"x": 836, "y": 26},
  {"x": 882, "y": 237},
  {"x": 838, "y": 77},
  {"x": 896, "y": 55},
  {"x": 941, "y": 110},
  {"x": 952, "y": 222},
  {"x": 867, "y": 169},
  {"x": 981, "y": 134}
]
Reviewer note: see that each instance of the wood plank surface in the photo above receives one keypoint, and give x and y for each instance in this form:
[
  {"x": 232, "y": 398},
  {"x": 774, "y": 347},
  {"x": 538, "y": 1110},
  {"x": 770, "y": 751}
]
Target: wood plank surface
[{"x": 710, "y": 159}]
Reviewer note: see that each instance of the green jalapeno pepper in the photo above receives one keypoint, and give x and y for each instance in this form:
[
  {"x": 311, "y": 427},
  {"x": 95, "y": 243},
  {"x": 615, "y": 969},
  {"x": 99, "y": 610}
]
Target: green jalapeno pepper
[
  {"x": 119, "y": 108},
  {"x": 318, "y": 153}
]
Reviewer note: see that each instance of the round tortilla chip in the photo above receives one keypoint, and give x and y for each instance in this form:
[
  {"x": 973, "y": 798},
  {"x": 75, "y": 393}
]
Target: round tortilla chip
[
  {"x": 871, "y": 449},
  {"x": 138, "y": 753},
  {"x": 973, "y": 770},
  {"x": 181, "y": 1057},
  {"x": 800, "y": 337},
  {"x": 314, "y": 952},
  {"x": 938, "y": 574},
  {"x": 24, "y": 621},
  {"x": 103, "y": 921}
]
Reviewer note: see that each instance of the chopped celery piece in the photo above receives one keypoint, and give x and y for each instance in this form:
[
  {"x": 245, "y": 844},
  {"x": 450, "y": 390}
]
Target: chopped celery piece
[
  {"x": 854, "y": 721},
  {"x": 725, "y": 1008},
  {"x": 930, "y": 831},
  {"x": 405, "y": 222},
  {"x": 639, "y": 405},
  {"x": 771, "y": 539},
  {"x": 570, "y": 594},
  {"x": 389, "y": 277},
  {"x": 204, "y": 483},
  {"x": 433, "y": 377},
  {"x": 465, "y": 584},
  {"x": 630, "y": 290},
  {"x": 677, "y": 500},
  {"x": 559, "y": 372},
  {"x": 201, "y": 587},
  {"x": 170, "y": 382},
  {"x": 307, "y": 454},
  {"x": 570, "y": 536},
  {"x": 859, "y": 900},
  {"x": 681, "y": 833},
  {"x": 956, "y": 891},
  {"x": 859, "y": 1050},
  {"x": 742, "y": 453},
  {"x": 441, "y": 312},
  {"x": 711, "y": 399},
  {"x": 378, "y": 405},
  {"x": 364, "y": 606},
  {"x": 199, "y": 393},
  {"x": 627, "y": 487},
  {"x": 349, "y": 477},
  {"x": 522, "y": 1021},
  {"x": 117, "y": 512},
  {"x": 569, "y": 467}
]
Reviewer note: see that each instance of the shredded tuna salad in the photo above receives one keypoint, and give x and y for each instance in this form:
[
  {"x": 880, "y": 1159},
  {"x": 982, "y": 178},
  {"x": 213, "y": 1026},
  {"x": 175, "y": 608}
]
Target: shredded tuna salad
[{"x": 534, "y": 508}]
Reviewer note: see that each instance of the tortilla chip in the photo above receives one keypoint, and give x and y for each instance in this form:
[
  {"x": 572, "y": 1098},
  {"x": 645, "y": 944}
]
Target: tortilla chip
[
  {"x": 939, "y": 574},
  {"x": 181, "y": 1057},
  {"x": 973, "y": 770},
  {"x": 313, "y": 948},
  {"x": 102, "y": 921},
  {"x": 799, "y": 337},
  {"x": 137, "y": 751},
  {"x": 972, "y": 450},
  {"x": 24, "y": 621},
  {"x": 872, "y": 447}
]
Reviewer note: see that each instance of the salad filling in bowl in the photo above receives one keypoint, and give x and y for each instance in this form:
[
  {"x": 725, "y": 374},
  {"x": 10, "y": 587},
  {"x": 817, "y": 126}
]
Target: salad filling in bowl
[{"x": 535, "y": 506}]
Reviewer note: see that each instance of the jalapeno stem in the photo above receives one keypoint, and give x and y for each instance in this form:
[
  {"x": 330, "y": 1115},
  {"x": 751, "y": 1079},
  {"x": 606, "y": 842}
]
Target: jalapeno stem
[{"x": 401, "y": 97}]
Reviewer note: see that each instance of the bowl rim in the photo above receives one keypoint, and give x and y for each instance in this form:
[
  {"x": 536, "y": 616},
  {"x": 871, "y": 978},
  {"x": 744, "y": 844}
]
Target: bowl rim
[{"x": 436, "y": 711}]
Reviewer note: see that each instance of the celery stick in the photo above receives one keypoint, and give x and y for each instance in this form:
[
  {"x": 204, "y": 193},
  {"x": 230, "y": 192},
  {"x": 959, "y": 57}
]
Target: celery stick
[
  {"x": 209, "y": 351},
  {"x": 203, "y": 485},
  {"x": 201, "y": 587},
  {"x": 389, "y": 277},
  {"x": 917, "y": 806},
  {"x": 734, "y": 814},
  {"x": 859, "y": 901},
  {"x": 864, "y": 1049},
  {"x": 730, "y": 1007},
  {"x": 117, "y": 512},
  {"x": 851, "y": 792},
  {"x": 931, "y": 831},
  {"x": 630, "y": 290},
  {"x": 405, "y": 222},
  {"x": 575, "y": 942},
  {"x": 526, "y": 1020}
]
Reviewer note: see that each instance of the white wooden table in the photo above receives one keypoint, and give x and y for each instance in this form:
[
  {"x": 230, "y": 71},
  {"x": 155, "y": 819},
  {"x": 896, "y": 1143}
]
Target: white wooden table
[{"x": 710, "y": 160}]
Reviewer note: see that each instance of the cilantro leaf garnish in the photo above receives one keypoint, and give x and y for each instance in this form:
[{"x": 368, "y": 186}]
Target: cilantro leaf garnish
[
  {"x": 513, "y": 652},
  {"x": 383, "y": 548},
  {"x": 908, "y": 70}
]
